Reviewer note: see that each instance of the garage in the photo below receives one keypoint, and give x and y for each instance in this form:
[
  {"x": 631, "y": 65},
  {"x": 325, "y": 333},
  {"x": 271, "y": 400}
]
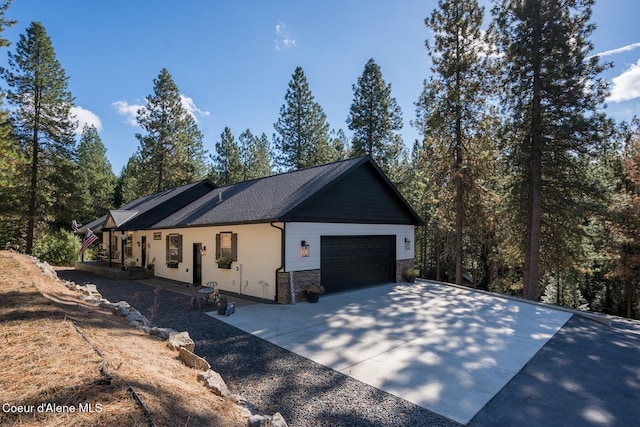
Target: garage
[{"x": 352, "y": 262}]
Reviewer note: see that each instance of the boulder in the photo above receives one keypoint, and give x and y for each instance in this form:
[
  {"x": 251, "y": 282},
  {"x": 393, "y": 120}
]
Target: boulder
[
  {"x": 121, "y": 308},
  {"x": 162, "y": 333},
  {"x": 91, "y": 290},
  {"x": 105, "y": 303},
  {"x": 214, "y": 382},
  {"x": 267, "y": 421},
  {"x": 135, "y": 318},
  {"x": 278, "y": 420},
  {"x": 193, "y": 360},
  {"x": 181, "y": 339}
]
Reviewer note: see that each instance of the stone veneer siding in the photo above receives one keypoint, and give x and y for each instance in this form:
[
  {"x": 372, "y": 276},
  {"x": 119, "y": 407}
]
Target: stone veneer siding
[
  {"x": 300, "y": 280},
  {"x": 402, "y": 265},
  {"x": 308, "y": 277}
]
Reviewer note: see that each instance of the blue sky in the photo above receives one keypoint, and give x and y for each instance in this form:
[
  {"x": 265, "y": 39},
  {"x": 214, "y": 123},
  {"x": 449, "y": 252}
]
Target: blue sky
[{"x": 232, "y": 60}]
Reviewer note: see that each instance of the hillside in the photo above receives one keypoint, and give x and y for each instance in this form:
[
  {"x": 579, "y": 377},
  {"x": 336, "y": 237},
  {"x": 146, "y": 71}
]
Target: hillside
[{"x": 52, "y": 376}]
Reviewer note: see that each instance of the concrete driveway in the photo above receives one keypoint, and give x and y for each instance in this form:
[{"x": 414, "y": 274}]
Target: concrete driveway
[{"x": 447, "y": 349}]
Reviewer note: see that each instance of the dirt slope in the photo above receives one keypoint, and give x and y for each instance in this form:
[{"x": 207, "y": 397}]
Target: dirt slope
[{"x": 53, "y": 375}]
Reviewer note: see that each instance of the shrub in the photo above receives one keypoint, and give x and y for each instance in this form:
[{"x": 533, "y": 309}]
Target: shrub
[
  {"x": 314, "y": 288},
  {"x": 409, "y": 275},
  {"x": 61, "y": 248}
]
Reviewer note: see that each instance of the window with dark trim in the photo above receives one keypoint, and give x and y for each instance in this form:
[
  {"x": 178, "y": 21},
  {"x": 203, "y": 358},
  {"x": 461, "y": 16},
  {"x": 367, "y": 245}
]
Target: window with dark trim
[
  {"x": 128, "y": 247},
  {"x": 174, "y": 250},
  {"x": 226, "y": 249}
]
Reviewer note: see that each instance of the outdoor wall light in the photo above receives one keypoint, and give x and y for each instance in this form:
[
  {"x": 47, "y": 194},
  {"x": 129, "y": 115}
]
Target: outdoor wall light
[
  {"x": 138, "y": 243},
  {"x": 203, "y": 251},
  {"x": 304, "y": 248},
  {"x": 407, "y": 244}
]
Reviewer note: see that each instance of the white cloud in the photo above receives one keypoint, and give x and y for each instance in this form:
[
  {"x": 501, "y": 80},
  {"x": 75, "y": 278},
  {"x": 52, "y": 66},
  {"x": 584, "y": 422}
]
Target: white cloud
[
  {"x": 85, "y": 117},
  {"x": 283, "y": 39},
  {"x": 627, "y": 85},
  {"x": 617, "y": 50},
  {"x": 130, "y": 111},
  {"x": 190, "y": 106}
]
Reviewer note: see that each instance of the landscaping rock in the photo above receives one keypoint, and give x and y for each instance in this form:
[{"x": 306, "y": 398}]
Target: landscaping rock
[
  {"x": 135, "y": 318},
  {"x": 91, "y": 290},
  {"x": 193, "y": 360},
  {"x": 105, "y": 303},
  {"x": 214, "y": 382},
  {"x": 181, "y": 339},
  {"x": 278, "y": 420},
  {"x": 162, "y": 333},
  {"x": 257, "y": 421},
  {"x": 267, "y": 421},
  {"x": 121, "y": 308}
]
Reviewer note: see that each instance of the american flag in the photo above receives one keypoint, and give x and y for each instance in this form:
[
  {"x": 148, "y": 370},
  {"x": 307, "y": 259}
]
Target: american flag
[{"x": 88, "y": 240}]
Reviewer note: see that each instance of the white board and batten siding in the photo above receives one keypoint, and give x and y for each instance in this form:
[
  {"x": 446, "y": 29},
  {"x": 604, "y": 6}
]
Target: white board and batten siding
[
  {"x": 258, "y": 257},
  {"x": 311, "y": 233}
]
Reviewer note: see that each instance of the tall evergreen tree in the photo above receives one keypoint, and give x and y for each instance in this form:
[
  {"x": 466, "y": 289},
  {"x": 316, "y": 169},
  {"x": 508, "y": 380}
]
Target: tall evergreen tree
[
  {"x": 375, "y": 117},
  {"x": 171, "y": 153},
  {"x": 451, "y": 111},
  {"x": 254, "y": 155},
  {"x": 552, "y": 92},
  {"x": 127, "y": 186},
  {"x": 626, "y": 214},
  {"x": 13, "y": 162},
  {"x": 4, "y": 22},
  {"x": 302, "y": 138},
  {"x": 95, "y": 177},
  {"x": 227, "y": 163},
  {"x": 44, "y": 127},
  {"x": 262, "y": 159}
]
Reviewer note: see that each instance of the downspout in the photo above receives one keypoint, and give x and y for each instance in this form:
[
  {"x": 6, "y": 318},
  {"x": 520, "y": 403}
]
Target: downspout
[{"x": 282, "y": 257}]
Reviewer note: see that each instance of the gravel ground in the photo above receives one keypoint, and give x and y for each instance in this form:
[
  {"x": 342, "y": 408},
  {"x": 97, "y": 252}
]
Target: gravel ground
[{"x": 271, "y": 378}]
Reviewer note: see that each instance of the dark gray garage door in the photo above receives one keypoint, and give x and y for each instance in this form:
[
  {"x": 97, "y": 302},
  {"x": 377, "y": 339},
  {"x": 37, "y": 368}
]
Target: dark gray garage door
[{"x": 351, "y": 262}]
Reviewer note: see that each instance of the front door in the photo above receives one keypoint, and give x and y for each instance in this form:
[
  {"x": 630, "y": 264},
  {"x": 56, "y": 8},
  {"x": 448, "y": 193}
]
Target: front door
[
  {"x": 143, "y": 243},
  {"x": 197, "y": 264}
]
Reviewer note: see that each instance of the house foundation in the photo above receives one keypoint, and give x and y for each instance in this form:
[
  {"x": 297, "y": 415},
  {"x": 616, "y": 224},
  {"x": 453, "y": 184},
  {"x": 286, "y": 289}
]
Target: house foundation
[{"x": 291, "y": 285}]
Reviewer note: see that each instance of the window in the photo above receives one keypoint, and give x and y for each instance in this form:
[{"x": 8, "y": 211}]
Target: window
[
  {"x": 226, "y": 249},
  {"x": 128, "y": 246},
  {"x": 174, "y": 250},
  {"x": 115, "y": 246}
]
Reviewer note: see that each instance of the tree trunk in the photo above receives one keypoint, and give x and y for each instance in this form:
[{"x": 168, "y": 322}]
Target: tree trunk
[
  {"x": 532, "y": 270},
  {"x": 531, "y": 275},
  {"x": 33, "y": 187},
  {"x": 458, "y": 166},
  {"x": 459, "y": 202}
]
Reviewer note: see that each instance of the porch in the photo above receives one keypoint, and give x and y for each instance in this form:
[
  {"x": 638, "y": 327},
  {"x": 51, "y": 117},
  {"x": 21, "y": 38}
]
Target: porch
[{"x": 115, "y": 272}]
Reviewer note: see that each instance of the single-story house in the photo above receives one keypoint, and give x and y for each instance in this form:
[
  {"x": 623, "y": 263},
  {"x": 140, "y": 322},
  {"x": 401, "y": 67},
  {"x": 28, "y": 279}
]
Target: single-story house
[{"x": 343, "y": 225}]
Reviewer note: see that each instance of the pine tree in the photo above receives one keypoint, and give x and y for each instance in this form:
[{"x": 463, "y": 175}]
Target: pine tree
[
  {"x": 96, "y": 178},
  {"x": 127, "y": 187},
  {"x": 13, "y": 162},
  {"x": 4, "y": 22},
  {"x": 375, "y": 118},
  {"x": 171, "y": 152},
  {"x": 626, "y": 215},
  {"x": 552, "y": 92},
  {"x": 44, "y": 127},
  {"x": 302, "y": 128},
  {"x": 227, "y": 163},
  {"x": 254, "y": 155},
  {"x": 261, "y": 154},
  {"x": 451, "y": 112}
]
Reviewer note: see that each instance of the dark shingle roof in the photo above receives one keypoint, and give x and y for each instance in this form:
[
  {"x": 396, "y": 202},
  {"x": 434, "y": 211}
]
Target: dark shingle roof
[
  {"x": 142, "y": 213},
  {"x": 259, "y": 200},
  {"x": 273, "y": 198}
]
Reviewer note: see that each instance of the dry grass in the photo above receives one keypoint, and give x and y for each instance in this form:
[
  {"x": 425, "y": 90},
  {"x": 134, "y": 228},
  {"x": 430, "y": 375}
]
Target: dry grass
[{"x": 44, "y": 360}]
